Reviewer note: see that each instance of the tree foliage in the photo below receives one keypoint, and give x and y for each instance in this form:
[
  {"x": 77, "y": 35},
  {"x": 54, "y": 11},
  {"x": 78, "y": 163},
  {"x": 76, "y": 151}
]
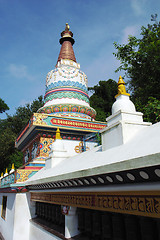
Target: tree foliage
[
  {"x": 3, "y": 106},
  {"x": 103, "y": 98},
  {"x": 140, "y": 59},
  {"x": 9, "y": 128},
  {"x": 152, "y": 110},
  {"x": 23, "y": 114}
]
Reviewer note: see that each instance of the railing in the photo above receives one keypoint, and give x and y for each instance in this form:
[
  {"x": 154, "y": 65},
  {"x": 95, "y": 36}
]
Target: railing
[{"x": 19, "y": 176}]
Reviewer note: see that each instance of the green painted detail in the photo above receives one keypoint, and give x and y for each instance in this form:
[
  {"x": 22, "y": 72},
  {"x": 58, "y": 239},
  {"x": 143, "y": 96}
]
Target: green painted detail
[
  {"x": 69, "y": 108},
  {"x": 70, "y": 95}
]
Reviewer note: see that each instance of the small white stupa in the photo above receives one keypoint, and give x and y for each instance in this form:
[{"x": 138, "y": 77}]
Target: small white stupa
[
  {"x": 124, "y": 122},
  {"x": 57, "y": 153}
]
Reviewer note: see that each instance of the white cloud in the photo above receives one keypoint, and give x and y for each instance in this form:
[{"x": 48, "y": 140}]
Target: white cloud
[
  {"x": 129, "y": 30},
  {"x": 24, "y": 102},
  {"x": 138, "y": 6},
  {"x": 20, "y": 71},
  {"x": 103, "y": 68}
]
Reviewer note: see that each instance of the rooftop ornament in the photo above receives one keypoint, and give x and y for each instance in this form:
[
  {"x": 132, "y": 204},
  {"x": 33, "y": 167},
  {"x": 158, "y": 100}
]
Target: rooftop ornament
[
  {"x": 12, "y": 170},
  {"x": 6, "y": 173},
  {"x": 121, "y": 88},
  {"x": 58, "y": 135}
]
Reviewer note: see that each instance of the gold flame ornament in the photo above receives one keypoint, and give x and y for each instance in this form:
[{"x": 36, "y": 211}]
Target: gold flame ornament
[
  {"x": 12, "y": 166},
  {"x": 67, "y": 27},
  {"x": 58, "y": 135},
  {"x": 121, "y": 88}
]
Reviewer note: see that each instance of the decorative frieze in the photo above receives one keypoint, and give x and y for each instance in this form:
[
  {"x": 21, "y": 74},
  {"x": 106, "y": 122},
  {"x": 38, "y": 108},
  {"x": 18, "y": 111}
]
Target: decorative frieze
[{"x": 136, "y": 203}]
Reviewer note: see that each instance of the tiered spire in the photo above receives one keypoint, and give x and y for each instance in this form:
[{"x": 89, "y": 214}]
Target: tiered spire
[
  {"x": 66, "y": 85},
  {"x": 66, "y": 41}
]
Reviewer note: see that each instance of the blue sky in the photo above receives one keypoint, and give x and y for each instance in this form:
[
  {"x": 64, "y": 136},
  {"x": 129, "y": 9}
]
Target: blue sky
[{"x": 30, "y": 32}]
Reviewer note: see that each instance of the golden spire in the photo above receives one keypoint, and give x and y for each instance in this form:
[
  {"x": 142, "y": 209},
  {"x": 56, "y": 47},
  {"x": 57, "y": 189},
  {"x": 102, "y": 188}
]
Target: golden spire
[
  {"x": 67, "y": 27},
  {"x": 6, "y": 172},
  {"x": 121, "y": 88},
  {"x": 2, "y": 175},
  {"x": 12, "y": 166},
  {"x": 58, "y": 136},
  {"x": 66, "y": 41}
]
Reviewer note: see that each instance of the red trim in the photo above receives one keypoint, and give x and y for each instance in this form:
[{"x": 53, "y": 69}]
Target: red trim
[
  {"x": 33, "y": 168},
  {"x": 66, "y": 89}
]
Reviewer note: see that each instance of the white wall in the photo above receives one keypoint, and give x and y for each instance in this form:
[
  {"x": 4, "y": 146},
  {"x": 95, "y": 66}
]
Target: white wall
[
  {"x": 70, "y": 145},
  {"x": 37, "y": 233},
  {"x": 7, "y": 225},
  {"x": 23, "y": 211},
  {"x": 18, "y": 213}
]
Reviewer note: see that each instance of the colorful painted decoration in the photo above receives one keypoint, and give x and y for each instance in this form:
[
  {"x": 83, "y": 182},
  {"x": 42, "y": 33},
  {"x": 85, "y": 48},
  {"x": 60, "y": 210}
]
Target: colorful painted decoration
[
  {"x": 45, "y": 146},
  {"x": 67, "y": 91},
  {"x": 27, "y": 155},
  {"x": 34, "y": 150},
  {"x": 83, "y": 111}
]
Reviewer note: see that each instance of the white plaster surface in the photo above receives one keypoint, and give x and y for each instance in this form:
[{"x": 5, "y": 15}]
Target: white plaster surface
[
  {"x": 66, "y": 101},
  {"x": 7, "y": 225},
  {"x": 71, "y": 223},
  {"x": 22, "y": 216},
  {"x": 141, "y": 150},
  {"x": 37, "y": 233},
  {"x": 19, "y": 211},
  {"x": 123, "y": 103}
]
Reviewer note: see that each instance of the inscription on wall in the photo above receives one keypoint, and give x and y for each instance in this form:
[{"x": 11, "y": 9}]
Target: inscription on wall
[{"x": 137, "y": 203}]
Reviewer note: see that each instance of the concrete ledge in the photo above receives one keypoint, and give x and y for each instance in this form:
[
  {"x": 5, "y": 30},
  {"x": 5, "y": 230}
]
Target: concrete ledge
[{"x": 1, "y": 237}]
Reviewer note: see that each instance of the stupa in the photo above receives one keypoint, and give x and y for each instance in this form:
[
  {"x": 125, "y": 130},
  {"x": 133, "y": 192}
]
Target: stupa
[
  {"x": 66, "y": 107},
  {"x": 66, "y": 85}
]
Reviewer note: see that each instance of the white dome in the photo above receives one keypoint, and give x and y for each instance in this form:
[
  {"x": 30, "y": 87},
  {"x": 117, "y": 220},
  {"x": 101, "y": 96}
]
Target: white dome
[{"x": 123, "y": 103}]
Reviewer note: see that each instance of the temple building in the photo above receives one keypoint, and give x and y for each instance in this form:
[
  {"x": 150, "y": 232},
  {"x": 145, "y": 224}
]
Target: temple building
[
  {"x": 66, "y": 106},
  {"x": 109, "y": 192}
]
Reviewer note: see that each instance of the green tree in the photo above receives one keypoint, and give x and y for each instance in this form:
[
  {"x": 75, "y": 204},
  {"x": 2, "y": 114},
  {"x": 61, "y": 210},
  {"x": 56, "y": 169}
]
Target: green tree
[
  {"x": 152, "y": 110},
  {"x": 9, "y": 128},
  {"x": 3, "y": 106},
  {"x": 103, "y": 98},
  {"x": 7, "y": 138},
  {"x": 140, "y": 59},
  {"x": 23, "y": 115}
]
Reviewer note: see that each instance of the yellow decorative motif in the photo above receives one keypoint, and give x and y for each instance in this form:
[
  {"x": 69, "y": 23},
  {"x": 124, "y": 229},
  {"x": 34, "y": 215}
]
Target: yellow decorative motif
[
  {"x": 79, "y": 148},
  {"x": 38, "y": 119},
  {"x": 2, "y": 175},
  {"x": 58, "y": 136},
  {"x": 23, "y": 175},
  {"x": 45, "y": 146},
  {"x": 121, "y": 88},
  {"x": 6, "y": 172}
]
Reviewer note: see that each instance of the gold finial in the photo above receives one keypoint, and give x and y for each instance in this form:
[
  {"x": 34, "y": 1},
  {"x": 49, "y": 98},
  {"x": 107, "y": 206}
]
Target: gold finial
[
  {"x": 6, "y": 172},
  {"x": 58, "y": 136},
  {"x": 67, "y": 27},
  {"x": 2, "y": 175},
  {"x": 121, "y": 88},
  {"x": 12, "y": 166}
]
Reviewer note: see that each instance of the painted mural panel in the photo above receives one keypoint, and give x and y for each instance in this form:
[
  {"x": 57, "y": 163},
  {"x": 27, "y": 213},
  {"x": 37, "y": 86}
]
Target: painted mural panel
[
  {"x": 32, "y": 150},
  {"x": 45, "y": 146}
]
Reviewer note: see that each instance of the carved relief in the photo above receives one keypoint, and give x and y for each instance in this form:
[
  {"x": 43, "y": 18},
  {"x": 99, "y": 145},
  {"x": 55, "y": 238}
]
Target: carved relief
[{"x": 138, "y": 204}]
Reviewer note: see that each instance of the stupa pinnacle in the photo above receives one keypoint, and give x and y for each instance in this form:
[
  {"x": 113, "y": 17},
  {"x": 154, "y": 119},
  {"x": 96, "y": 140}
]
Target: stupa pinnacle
[
  {"x": 66, "y": 41},
  {"x": 66, "y": 85}
]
